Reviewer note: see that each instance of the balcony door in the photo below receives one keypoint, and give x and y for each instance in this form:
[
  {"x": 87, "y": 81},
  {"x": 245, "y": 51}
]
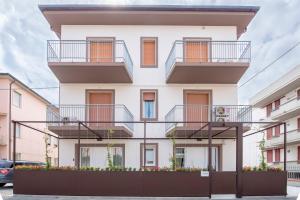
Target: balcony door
[
  {"x": 196, "y": 50},
  {"x": 101, "y": 50},
  {"x": 100, "y": 107},
  {"x": 196, "y": 107}
]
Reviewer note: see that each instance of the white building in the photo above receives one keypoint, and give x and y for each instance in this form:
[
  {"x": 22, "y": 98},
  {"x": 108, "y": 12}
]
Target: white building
[
  {"x": 279, "y": 102},
  {"x": 148, "y": 64}
]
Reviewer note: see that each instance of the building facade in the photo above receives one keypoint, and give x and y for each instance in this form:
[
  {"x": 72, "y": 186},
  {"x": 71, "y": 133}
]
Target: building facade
[
  {"x": 279, "y": 102},
  {"x": 147, "y": 64},
  {"x": 20, "y": 103}
]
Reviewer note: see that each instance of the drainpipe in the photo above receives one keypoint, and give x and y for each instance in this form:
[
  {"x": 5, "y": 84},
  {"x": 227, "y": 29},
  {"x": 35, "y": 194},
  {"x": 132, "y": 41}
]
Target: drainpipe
[{"x": 9, "y": 119}]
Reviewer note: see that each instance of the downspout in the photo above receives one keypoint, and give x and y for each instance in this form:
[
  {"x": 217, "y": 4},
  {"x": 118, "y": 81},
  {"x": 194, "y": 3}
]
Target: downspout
[{"x": 9, "y": 119}]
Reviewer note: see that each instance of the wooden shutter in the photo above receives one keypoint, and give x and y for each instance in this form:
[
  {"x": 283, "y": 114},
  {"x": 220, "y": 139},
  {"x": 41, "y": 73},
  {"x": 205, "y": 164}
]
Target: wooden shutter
[
  {"x": 149, "y": 96},
  {"x": 277, "y": 155},
  {"x": 269, "y": 156},
  {"x": 196, "y": 108},
  {"x": 101, "y": 51},
  {"x": 196, "y": 51},
  {"x": 149, "y": 52},
  {"x": 277, "y": 104},
  {"x": 277, "y": 131},
  {"x": 269, "y": 109},
  {"x": 101, "y": 108},
  {"x": 269, "y": 133}
]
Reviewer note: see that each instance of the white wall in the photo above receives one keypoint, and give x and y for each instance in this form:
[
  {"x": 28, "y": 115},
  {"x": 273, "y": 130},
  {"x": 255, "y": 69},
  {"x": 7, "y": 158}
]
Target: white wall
[{"x": 165, "y": 151}]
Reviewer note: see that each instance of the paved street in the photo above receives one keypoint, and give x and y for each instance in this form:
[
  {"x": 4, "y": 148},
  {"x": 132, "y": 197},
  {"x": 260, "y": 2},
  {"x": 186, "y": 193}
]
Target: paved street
[{"x": 6, "y": 193}]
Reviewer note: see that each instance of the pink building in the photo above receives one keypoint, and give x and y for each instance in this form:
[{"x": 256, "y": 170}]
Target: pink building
[{"x": 23, "y": 104}]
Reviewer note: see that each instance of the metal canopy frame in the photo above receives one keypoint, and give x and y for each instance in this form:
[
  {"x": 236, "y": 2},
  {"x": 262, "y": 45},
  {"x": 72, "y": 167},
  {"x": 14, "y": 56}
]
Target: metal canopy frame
[{"x": 238, "y": 126}]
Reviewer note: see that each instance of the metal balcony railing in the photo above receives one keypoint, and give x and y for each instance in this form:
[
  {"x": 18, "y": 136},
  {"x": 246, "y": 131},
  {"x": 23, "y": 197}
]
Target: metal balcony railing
[
  {"x": 207, "y": 113},
  {"x": 205, "y": 51},
  {"x": 91, "y": 112},
  {"x": 89, "y": 51}
]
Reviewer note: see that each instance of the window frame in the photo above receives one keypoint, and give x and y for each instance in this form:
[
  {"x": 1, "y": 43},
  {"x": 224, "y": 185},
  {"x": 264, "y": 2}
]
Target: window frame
[
  {"x": 142, "y": 39},
  {"x": 176, "y": 154},
  {"x": 89, "y": 156},
  {"x": 20, "y": 99},
  {"x": 142, "y": 91},
  {"x": 142, "y": 153},
  {"x": 18, "y": 130}
]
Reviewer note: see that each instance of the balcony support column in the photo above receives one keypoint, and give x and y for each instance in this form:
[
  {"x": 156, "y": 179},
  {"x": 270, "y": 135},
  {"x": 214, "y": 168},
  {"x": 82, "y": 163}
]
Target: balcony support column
[
  {"x": 239, "y": 159},
  {"x": 78, "y": 148},
  {"x": 209, "y": 158}
]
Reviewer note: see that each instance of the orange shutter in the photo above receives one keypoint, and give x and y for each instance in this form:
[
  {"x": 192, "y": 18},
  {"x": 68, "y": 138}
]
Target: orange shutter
[
  {"x": 196, "y": 51},
  {"x": 277, "y": 131},
  {"x": 277, "y": 104},
  {"x": 101, "y": 51},
  {"x": 149, "y": 47},
  {"x": 148, "y": 96},
  {"x": 269, "y": 109},
  {"x": 269, "y": 156},
  {"x": 277, "y": 155},
  {"x": 196, "y": 108},
  {"x": 269, "y": 133}
]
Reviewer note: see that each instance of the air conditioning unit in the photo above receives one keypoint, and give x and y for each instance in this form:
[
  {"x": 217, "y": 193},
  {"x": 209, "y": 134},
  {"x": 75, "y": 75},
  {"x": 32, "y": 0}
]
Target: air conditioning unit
[
  {"x": 222, "y": 114},
  {"x": 67, "y": 120}
]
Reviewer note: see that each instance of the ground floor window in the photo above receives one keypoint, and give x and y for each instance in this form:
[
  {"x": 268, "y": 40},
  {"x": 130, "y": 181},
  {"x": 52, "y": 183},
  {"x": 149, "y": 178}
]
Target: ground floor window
[
  {"x": 85, "y": 157},
  {"x": 191, "y": 156},
  {"x": 117, "y": 156},
  {"x": 179, "y": 156},
  {"x": 151, "y": 154}
]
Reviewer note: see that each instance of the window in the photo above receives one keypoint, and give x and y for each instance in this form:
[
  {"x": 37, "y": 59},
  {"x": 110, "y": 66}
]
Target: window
[
  {"x": 148, "y": 52},
  {"x": 269, "y": 156},
  {"x": 85, "y": 157},
  {"x": 18, "y": 130},
  {"x": 18, "y": 156},
  {"x": 117, "y": 156},
  {"x": 277, "y": 131},
  {"x": 149, "y": 106},
  {"x": 277, "y": 155},
  {"x": 196, "y": 50},
  {"x": 179, "y": 156},
  {"x": 151, "y": 153},
  {"x": 277, "y": 104},
  {"x": 17, "y": 99},
  {"x": 269, "y": 109}
]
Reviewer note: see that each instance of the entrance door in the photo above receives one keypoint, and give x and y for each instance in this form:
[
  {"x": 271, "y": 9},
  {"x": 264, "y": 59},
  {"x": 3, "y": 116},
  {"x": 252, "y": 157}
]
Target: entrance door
[
  {"x": 196, "y": 50},
  {"x": 100, "y": 107},
  {"x": 196, "y": 107}
]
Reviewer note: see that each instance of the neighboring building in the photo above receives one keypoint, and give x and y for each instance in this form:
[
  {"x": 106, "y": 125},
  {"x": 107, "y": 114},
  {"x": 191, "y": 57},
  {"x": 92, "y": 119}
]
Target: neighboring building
[
  {"x": 25, "y": 105},
  {"x": 148, "y": 63},
  {"x": 280, "y": 102}
]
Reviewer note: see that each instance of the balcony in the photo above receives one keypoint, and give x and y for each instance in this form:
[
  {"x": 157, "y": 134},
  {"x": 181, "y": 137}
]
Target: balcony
[
  {"x": 105, "y": 121},
  {"x": 287, "y": 110},
  {"x": 292, "y": 137},
  {"x": 90, "y": 61},
  {"x": 182, "y": 114},
  {"x": 205, "y": 61}
]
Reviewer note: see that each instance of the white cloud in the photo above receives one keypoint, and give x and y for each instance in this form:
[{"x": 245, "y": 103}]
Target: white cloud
[{"x": 24, "y": 32}]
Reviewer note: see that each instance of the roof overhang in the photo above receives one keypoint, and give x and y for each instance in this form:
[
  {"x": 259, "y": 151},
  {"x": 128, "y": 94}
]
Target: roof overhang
[
  {"x": 290, "y": 81},
  {"x": 239, "y": 16}
]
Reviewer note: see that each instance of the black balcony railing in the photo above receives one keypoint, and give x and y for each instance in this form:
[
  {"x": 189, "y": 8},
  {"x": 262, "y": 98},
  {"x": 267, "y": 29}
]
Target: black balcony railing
[
  {"x": 206, "y": 51},
  {"x": 91, "y": 112},
  {"x": 206, "y": 113},
  {"x": 89, "y": 51}
]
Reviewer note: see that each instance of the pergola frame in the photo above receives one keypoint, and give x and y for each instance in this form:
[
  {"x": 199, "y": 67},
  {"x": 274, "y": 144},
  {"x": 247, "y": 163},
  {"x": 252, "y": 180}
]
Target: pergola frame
[{"x": 228, "y": 125}]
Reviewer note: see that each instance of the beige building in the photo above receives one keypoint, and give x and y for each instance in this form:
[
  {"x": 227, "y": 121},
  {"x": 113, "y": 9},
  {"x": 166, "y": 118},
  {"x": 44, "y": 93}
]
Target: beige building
[{"x": 18, "y": 102}]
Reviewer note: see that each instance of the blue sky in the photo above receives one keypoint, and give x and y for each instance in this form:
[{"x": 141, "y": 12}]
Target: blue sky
[{"x": 24, "y": 32}]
